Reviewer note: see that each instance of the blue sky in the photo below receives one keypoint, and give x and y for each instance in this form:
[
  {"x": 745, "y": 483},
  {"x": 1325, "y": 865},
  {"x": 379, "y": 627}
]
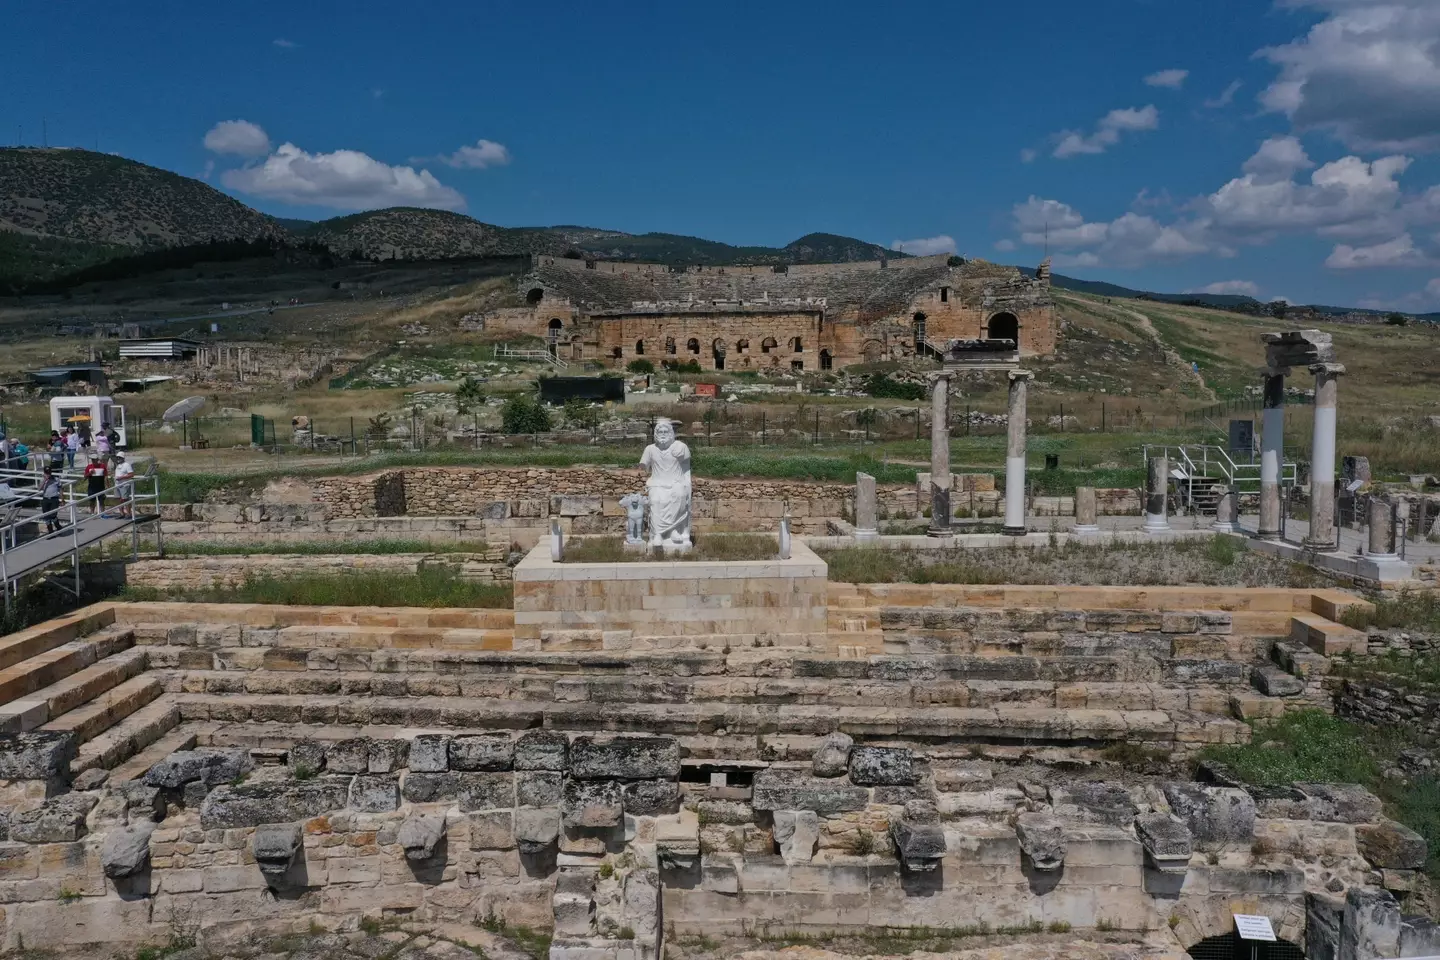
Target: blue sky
[{"x": 1281, "y": 149}]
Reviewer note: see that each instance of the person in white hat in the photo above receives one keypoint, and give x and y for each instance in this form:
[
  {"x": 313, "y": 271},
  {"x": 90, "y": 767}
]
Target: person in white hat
[
  {"x": 124, "y": 483},
  {"x": 96, "y": 473}
]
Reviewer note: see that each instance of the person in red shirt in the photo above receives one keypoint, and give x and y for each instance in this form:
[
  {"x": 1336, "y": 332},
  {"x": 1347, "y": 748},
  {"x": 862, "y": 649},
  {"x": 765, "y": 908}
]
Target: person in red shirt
[{"x": 96, "y": 476}]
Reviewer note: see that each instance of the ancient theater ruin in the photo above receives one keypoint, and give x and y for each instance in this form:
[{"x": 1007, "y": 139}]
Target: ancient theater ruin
[{"x": 797, "y": 317}]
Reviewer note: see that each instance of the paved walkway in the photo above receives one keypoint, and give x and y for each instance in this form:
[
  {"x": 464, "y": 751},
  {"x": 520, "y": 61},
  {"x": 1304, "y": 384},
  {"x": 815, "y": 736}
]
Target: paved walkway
[{"x": 40, "y": 553}]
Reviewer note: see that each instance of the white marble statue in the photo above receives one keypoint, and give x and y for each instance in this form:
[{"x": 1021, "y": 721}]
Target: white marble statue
[
  {"x": 634, "y": 504},
  {"x": 668, "y": 461}
]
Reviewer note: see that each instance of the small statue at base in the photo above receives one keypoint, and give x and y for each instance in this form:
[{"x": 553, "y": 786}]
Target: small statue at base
[
  {"x": 634, "y": 504},
  {"x": 668, "y": 461}
]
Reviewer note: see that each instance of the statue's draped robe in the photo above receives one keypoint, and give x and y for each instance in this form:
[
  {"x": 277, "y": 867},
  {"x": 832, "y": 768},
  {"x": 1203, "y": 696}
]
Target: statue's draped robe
[{"x": 669, "y": 489}]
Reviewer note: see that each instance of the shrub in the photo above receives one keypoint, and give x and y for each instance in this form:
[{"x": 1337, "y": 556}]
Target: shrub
[
  {"x": 887, "y": 387},
  {"x": 524, "y": 414},
  {"x": 469, "y": 395},
  {"x": 640, "y": 365},
  {"x": 685, "y": 366},
  {"x": 579, "y": 413}
]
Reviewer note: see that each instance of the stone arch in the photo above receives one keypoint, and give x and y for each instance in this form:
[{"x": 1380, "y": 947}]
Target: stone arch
[
  {"x": 534, "y": 295},
  {"x": 1195, "y": 921},
  {"x": 917, "y": 324},
  {"x": 639, "y": 348},
  {"x": 827, "y": 361},
  {"x": 873, "y": 351},
  {"x": 692, "y": 345},
  {"x": 1228, "y": 945},
  {"x": 742, "y": 345},
  {"x": 797, "y": 345},
  {"x": 768, "y": 345},
  {"x": 670, "y": 346},
  {"x": 554, "y": 327},
  {"x": 717, "y": 352},
  {"x": 1004, "y": 326}
]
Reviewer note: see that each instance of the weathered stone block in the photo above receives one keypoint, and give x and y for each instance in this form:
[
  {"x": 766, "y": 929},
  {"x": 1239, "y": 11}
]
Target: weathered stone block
[
  {"x": 1042, "y": 839},
  {"x": 651, "y": 798},
  {"x": 832, "y": 757},
  {"x": 348, "y": 756},
  {"x": 538, "y": 788},
  {"x": 420, "y": 834},
  {"x": 126, "y": 850},
  {"x": 542, "y": 750},
  {"x": 275, "y": 846},
  {"x": 797, "y": 832},
  {"x": 1213, "y": 814},
  {"x": 58, "y": 820},
  {"x": 208, "y": 766},
  {"x": 473, "y": 791},
  {"x": 1274, "y": 682},
  {"x": 488, "y": 752},
  {"x": 492, "y": 830},
  {"x": 388, "y": 756},
  {"x": 1391, "y": 846},
  {"x": 374, "y": 793},
  {"x": 1166, "y": 840},
  {"x": 1094, "y": 802},
  {"x": 593, "y": 803},
  {"x": 430, "y": 753},
  {"x": 918, "y": 845},
  {"x": 625, "y": 758},
  {"x": 789, "y": 790},
  {"x": 537, "y": 829},
  {"x": 882, "y": 766},
  {"x": 251, "y": 804},
  {"x": 307, "y": 757}
]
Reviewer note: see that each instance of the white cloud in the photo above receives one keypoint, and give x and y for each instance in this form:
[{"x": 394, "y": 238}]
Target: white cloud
[
  {"x": 1070, "y": 143},
  {"x": 925, "y": 246},
  {"x": 1400, "y": 252},
  {"x": 1130, "y": 240},
  {"x": 209, "y": 169},
  {"x": 1227, "y": 96},
  {"x": 239, "y": 138},
  {"x": 484, "y": 154},
  {"x": 1173, "y": 79},
  {"x": 1240, "y": 288},
  {"x": 1432, "y": 289},
  {"x": 1037, "y": 214},
  {"x": 1278, "y": 158},
  {"x": 1005, "y": 246},
  {"x": 1028, "y": 155},
  {"x": 284, "y": 44},
  {"x": 344, "y": 180},
  {"x": 1369, "y": 73}
]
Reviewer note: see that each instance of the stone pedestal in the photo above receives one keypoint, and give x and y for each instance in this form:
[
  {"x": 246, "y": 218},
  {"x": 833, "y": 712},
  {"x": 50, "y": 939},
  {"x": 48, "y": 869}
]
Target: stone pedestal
[
  {"x": 1272, "y": 454},
  {"x": 1381, "y": 545},
  {"x": 867, "y": 525},
  {"x": 1157, "y": 487},
  {"x": 940, "y": 455},
  {"x": 1225, "y": 511},
  {"x": 1323, "y": 534},
  {"x": 1015, "y": 455},
  {"x": 1086, "y": 513}
]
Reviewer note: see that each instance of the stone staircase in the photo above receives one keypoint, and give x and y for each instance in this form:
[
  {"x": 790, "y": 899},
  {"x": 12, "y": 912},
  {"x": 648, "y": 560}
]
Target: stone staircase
[{"x": 1004, "y": 671}]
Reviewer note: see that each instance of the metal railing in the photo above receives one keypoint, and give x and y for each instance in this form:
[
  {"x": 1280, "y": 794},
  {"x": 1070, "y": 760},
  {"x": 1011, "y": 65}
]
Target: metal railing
[
  {"x": 1190, "y": 462},
  {"x": 552, "y": 356}
]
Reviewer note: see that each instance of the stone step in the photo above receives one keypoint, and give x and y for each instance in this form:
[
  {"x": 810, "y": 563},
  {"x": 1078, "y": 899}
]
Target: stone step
[
  {"x": 341, "y": 637},
  {"x": 1036, "y": 725},
  {"x": 1333, "y": 604},
  {"x": 1326, "y": 637},
  {"x": 273, "y": 616},
  {"x": 877, "y": 693},
  {"x": 128, "y": 737},
  {"x": 181, "y": 738},
  {"x": 95, "y": 717},
  {"x": 60, "y": 661},
  {"x": 65, "y": 695},
  {"x": 21, "y": 645}
]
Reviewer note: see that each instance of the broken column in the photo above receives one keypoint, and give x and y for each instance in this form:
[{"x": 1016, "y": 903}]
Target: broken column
[
  {"x": 1382, "y": 531},
  {"x": 1225, "y": 511},
  {"x": 940, "y": 455},
  {"x": 1323, "y": 533},
  {"x": 1085, "y": 511},
  {"x": 1272, "y": 453},
  {"x": 1157, "y": 495},
  {"x": 866, "y": 511},
  {"x": 1015, "y": 455}
]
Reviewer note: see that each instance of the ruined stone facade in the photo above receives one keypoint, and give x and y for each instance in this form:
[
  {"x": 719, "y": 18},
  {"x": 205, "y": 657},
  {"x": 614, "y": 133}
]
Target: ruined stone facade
[{"x": 802, "y": 317}]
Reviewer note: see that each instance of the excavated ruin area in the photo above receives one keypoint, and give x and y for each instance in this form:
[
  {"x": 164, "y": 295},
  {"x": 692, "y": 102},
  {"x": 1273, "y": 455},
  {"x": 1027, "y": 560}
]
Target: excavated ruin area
[{"x": 987, "y": 771}]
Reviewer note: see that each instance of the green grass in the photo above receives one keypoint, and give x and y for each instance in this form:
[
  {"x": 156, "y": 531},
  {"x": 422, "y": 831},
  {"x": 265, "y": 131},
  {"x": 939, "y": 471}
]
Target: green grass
[
  {"x": 1411, "y": 672},
  {"x": 733, "y": 546},
  {"x": 1409, "y": 610},
  {"x": 1309, "y": 746},
  {"x": 323, "y": 547},
  {"x": 428, "y": 588}
]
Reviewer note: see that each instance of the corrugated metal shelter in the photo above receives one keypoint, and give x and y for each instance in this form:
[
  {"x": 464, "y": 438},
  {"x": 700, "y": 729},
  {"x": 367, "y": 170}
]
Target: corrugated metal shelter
[
  {"x": 59, "y": 376},
  {"x": 158, "y": 348}
]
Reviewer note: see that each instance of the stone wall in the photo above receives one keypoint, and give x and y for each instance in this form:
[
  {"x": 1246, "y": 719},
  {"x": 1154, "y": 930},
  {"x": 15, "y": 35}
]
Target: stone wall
[
  {"x": 1390, "y": 704},
  {"x": 204, "y": 572}
]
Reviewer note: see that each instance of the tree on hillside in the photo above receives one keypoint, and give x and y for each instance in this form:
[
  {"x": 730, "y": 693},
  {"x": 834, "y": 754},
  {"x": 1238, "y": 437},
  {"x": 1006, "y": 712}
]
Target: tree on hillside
[
  {"x": 1397, "y": 319},
  {"x": 1278, "y": 309},
  {"x": 469, "y": 395},
  {"x": 522, "y": 414}
]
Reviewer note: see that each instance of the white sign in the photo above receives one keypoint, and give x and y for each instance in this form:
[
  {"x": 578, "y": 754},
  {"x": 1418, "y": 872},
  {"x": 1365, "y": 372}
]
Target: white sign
[{"x": 1254, "y": 928}]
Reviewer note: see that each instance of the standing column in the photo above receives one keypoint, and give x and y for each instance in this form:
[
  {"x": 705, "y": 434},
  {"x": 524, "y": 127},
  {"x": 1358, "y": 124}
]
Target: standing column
[
  {"x": 1323, "y": 534},
  {"x": 1085, "y": 511},
  {"x": 1272, "y": 454},
  {"x": 1382, "y": 531},
  {"x": 866, "y": 511},
  {"x": 1225, "y": 511},
  {"x": 1015, "y": 455},
  {"x": 1157, "y": 495},
  {"x": 940, "y": 455}
]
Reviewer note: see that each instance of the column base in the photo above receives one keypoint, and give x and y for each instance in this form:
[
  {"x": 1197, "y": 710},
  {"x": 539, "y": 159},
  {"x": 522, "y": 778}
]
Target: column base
[
  {"x": 1010, "y": 531},
  {"x": 940, "y": 532},
  {"x": 1382, "y": 557},
  {"x": 1156, "y": 524},
  {"x": 1267, "y": 534},
  {"x": 867, "y": 536},
  {"x": 1087, "y": 529},
  {"x": 1320, "y": 547},
  {"x": 1226, "y": 527}
]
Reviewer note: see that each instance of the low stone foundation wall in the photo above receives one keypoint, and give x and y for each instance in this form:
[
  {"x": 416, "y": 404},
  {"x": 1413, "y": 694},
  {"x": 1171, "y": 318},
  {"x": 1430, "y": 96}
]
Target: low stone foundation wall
[
  {"x": 197, "y": 573},
  {"x": 1379, "y": 703}
]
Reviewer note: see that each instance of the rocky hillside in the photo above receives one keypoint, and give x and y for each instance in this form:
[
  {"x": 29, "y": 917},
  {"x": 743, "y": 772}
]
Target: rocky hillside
[
  {"x": 92, "y": 197},
  {"x": 830, "y": 248},
  {"x": 412, "y": 233}
]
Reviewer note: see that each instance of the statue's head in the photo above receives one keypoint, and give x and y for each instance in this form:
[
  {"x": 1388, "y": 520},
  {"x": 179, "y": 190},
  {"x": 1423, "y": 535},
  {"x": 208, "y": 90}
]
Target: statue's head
[{"x": 664, "y": 433}]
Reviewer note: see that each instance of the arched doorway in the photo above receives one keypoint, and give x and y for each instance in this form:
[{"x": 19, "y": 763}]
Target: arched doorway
[
  {"x": 1004, "y": 326},
  {"x": 1229, "y": 946},
  {"x": 553, "y": 341},
  {"x": 742, "y": 346},
  {"x": 717, "y": 350},
  {"x": 639, "y": 348},
  {"x": 768, "y": 345},
  {"x": 534, "y": 296},
  {"x": 872, "y": 351},
  {"x": 797, "y": 345},
  {"x": 693, "y": 345},
  {"x": 917, "y": 324},
  {"x": 826, "y": 360},
  {"x": 670, "y": 346}
]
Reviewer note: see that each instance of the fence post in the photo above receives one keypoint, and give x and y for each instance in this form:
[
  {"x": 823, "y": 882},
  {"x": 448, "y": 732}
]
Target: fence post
[
  {"x": 967, "y": 419},
  {"x": 1102, "y": 416},
  {"x": 1062, "y": 418},
  {"x": 353, "y": 451},
  {"x": 762, "y": 428}
]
